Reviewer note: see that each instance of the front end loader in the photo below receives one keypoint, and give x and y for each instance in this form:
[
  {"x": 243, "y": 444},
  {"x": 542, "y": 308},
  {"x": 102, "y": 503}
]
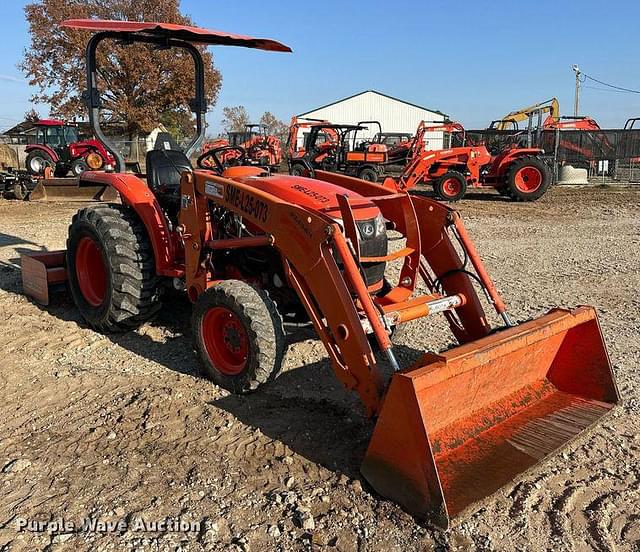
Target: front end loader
[
  {"x": 518, "y": 173},
  {"x": 253, "y": 250}
]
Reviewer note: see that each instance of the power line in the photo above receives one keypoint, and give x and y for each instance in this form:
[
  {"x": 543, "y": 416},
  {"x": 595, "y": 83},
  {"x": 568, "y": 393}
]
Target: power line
[
  {"x": 618, "y": 88},
  {"x": 605, "y": 89}
]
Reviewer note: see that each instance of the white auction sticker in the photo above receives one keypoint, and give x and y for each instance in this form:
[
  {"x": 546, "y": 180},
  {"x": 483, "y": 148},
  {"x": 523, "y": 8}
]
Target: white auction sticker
[{"x": 213, "y": 189}]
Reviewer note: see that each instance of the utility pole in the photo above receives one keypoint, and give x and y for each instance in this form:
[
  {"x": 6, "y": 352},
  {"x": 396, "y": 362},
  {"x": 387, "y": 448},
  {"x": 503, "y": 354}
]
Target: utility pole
[{"x": 576, "y": 101}]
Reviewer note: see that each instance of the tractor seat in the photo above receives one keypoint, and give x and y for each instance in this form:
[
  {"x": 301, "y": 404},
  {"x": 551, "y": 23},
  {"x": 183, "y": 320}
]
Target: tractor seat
[
  {"x": 164, "y": 170},
  {"x": 165, "y": 165}
]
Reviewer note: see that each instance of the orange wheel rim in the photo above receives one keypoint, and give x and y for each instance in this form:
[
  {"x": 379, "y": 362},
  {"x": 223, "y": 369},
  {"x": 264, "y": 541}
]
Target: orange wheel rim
[
  {"x": 451, "y": 187},
  {"x": 528, "y": 179},
  {"x": 225, "y": 340},
  {"x": 91, "y": 271}
]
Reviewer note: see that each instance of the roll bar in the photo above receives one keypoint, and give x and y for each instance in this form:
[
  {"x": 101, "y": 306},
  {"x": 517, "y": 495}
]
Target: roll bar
[{"x": 91, "y": 95}]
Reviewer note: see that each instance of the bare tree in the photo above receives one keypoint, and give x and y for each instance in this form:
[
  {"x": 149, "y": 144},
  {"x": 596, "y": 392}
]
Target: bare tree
[
  {"x": 275, "y": 127},
  {"x": 31, "y": 115},
  {"x": 235, "y": 118}
]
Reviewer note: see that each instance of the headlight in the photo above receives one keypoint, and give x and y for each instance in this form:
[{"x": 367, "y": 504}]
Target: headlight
[
  {"x": 372, "y": 228},
  {"x": 367, "y": 229}
]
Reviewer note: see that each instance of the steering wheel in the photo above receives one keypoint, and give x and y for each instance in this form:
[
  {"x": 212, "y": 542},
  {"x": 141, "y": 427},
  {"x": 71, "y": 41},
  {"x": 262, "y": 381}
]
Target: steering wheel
[{"x": 212, "y": 159}]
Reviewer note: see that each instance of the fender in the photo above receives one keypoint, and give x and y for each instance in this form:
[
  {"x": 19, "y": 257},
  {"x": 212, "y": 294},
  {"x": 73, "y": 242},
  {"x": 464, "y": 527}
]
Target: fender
[
  {"x": 44, "y": 148},
  {"x": 505, "y": 158},
  {"x": 82, "y": 149},
  {"x": 135, "y": 193}
]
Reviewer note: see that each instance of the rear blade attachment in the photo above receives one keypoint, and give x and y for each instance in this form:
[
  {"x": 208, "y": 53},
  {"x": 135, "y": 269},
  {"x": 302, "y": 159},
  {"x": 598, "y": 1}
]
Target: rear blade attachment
[
  {"x": 458, "y": 426},
  {"x": 43, "y": 272}
]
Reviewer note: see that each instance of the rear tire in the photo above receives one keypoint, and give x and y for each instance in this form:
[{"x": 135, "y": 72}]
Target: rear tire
[
  {"x": 238, "y": 336},
  {"x": 451, "y": 186},
  {"x": 111, "y": 268},
  {"x": 528, "y": 179},
  {"x": 368, "y": 174},
  {"x": 36, "y": 162}
]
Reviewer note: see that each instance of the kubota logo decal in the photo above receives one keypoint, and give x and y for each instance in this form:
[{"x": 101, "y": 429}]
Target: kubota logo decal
[{"x": 247, "y": 203}]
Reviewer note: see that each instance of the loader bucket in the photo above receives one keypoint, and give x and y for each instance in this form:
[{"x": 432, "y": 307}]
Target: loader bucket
[
  {"x": 69, "y": 189},
  {"x": 457, "y": 427}
]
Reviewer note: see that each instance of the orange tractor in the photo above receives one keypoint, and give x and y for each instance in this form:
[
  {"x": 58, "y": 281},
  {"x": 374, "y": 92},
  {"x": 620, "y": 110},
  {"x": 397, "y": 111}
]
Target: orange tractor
[
  {"x": 261, "y": 148},
  {"x": 519, "y": 173},
  {"x": 325, "y": 142},
  {"x": 398, "y": 145},
  {"x": 252, "y": 250}
]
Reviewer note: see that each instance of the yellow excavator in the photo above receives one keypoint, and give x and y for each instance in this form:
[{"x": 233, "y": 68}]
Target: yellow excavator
[{"x": 510, "y": 120}]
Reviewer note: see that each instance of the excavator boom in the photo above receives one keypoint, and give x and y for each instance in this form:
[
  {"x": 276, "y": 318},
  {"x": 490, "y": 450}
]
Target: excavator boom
[{"x": 514, "y": 117}]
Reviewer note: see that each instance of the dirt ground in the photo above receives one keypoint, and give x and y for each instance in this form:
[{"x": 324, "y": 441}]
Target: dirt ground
[{"x": 124, "y": 428}]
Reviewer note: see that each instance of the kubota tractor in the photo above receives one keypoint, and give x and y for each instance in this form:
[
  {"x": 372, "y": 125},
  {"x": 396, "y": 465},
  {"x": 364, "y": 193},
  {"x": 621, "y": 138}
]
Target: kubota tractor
[
  {"x": 398, "y": 145},
  {"x": 57, "y": 146},
  {"x": 253, "y": 250},
  {"x": 519, "y": 173},
  {"x": 261, "y": 148},
  {"x": 325, "y": 142}
]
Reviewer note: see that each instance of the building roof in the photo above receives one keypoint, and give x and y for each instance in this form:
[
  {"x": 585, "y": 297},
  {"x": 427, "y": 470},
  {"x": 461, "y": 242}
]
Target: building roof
[{"x": 379, "y": 94}]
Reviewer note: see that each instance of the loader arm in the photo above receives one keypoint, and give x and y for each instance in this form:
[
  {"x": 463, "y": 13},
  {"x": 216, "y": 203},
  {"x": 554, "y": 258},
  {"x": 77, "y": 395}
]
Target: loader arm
[
  {"x": 305, "y": 240},
  {"x": 336, "y": 299}
]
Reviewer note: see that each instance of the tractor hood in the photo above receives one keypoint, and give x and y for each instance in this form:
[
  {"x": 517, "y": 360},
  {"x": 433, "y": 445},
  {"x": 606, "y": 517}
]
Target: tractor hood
[{"x": 312, "y": 194}]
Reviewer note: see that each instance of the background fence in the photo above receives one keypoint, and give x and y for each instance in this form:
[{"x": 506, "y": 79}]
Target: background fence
[{"x": 612, "y": 153}]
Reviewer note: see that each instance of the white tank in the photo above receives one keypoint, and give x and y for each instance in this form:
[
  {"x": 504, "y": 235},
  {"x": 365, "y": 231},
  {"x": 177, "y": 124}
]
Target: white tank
[{"x": 572, "y": 175}]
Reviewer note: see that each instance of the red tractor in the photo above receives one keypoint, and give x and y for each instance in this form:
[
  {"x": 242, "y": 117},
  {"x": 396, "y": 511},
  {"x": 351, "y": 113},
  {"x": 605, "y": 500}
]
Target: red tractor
[
  {"x": 519, "y": 173},
  {"x": 57, "y": 146}
]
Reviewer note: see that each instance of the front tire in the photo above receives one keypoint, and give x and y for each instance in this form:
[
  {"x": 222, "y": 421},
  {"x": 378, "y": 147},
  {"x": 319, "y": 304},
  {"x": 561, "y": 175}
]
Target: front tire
[
  {"x": 368, "y": 174},
  {"x": 451, "y": 186},
  {"x": 111, "y": 268},
  {"x": 79, "y": 166},
  {"x": 528, "y": 179},
  {"x": 297, "y": 170},
  {"x": 20, "y": 191},
  {"x": 238, "y": 336}
]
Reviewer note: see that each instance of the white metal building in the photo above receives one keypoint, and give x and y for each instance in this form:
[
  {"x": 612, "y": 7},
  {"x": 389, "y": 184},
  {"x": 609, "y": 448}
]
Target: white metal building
[{"x": 394, "y": 115}]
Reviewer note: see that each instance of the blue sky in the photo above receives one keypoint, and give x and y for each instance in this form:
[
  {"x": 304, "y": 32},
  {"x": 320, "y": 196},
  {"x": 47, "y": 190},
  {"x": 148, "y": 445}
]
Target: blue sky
[{"x": 473, "y": 60}]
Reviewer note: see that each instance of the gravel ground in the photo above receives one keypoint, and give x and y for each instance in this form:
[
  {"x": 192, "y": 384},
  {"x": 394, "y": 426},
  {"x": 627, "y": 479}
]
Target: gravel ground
[{"x": 123, "y": 428}]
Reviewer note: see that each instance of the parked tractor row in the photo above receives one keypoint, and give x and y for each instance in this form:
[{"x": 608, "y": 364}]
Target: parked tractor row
[{"x": 518, "y": 173}]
